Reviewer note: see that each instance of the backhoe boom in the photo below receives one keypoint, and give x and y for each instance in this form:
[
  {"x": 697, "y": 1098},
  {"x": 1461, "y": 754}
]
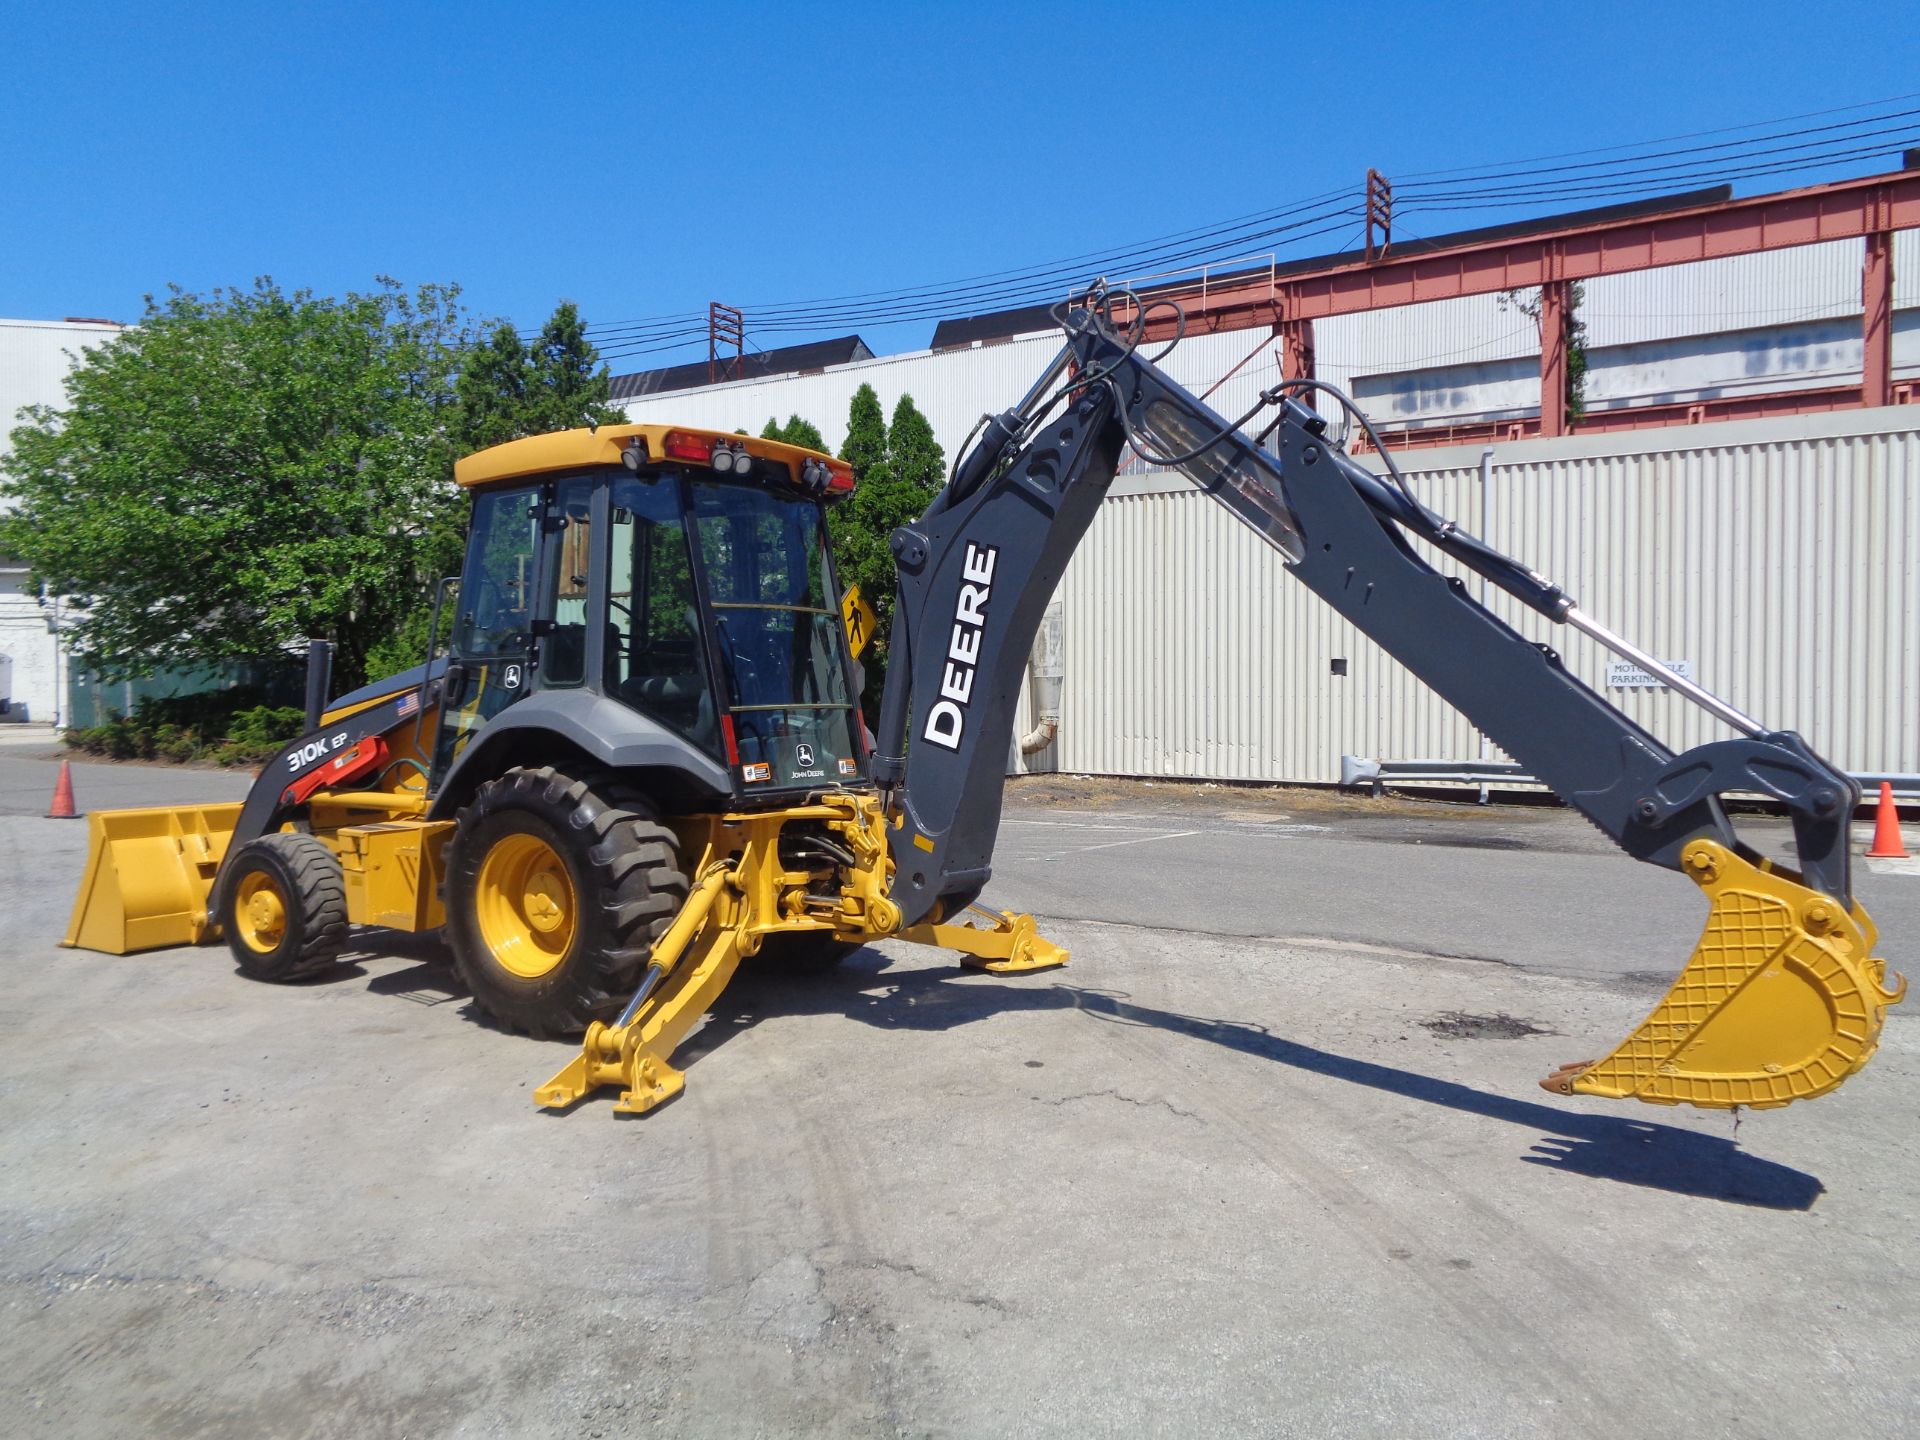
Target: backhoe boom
[{"x": 976, "y": 572}]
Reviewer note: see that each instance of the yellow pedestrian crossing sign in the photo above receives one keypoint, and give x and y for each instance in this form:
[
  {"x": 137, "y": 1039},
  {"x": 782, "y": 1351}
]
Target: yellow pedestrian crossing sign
[{"x": 859, "y": 619}]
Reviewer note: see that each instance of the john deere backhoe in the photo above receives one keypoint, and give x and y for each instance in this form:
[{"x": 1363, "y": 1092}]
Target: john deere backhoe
[{"x": 641, "y": 760}]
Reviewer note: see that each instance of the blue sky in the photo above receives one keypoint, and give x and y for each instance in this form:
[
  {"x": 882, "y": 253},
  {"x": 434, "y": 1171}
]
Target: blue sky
[{"x": 645, "y": 159}]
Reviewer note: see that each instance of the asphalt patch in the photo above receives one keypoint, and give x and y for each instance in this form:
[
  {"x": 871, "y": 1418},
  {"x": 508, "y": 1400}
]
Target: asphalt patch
[
  {"x": 1473, "y": 842},
  {"x": 1459, "y": 1025}
]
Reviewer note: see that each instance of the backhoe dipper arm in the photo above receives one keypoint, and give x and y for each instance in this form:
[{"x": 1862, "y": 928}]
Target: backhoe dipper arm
[{"x": 976, "y": 572}]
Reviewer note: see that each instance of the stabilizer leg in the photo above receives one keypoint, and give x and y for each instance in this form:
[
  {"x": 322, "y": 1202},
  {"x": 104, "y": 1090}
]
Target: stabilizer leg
[
  {"x": 1010, "y": 945},
  {"x": 634, "y": 1052}
]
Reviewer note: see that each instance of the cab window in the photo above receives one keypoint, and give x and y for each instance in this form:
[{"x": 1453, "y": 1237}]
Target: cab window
[
  {"x": 654, "y": 659},
  {"x": 563, "y": 654},
  {"x": 496, "y": 616},
  {"x": 777, "y": 631}
]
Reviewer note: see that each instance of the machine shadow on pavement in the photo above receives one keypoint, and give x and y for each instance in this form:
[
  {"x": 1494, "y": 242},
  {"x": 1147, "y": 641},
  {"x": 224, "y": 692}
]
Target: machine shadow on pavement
[
  {"x": 1602, "y": 1147},
  {"x": 863, "y": 988}
]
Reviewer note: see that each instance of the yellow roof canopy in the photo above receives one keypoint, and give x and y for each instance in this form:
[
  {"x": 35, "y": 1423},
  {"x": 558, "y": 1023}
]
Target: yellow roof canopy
[{"x": 580, "y": 449}]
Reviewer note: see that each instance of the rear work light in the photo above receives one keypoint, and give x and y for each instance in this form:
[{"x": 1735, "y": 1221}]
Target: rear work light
[
  {"x": 681, "y": 446},
  {"x": 826, "y": 477}
]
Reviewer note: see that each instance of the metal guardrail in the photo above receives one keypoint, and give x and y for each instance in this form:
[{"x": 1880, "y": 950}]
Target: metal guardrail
[{"x": 1487, "y": 774}]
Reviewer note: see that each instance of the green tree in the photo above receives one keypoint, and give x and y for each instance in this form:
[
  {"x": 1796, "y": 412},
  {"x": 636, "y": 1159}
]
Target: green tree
[
  {"x": 492, "y": 391},
  {"x": 898, "y": 471},
  {"x": 245, "y": 469},
  {"x": 1576, "y": 336},
  {"x": 914, "y": 457},
  {"x": 568, "y": 386},
  {"x": 796, "y": 432},
  {"x": 865, "y": 447},
  {"x": 507, "y": 389}
]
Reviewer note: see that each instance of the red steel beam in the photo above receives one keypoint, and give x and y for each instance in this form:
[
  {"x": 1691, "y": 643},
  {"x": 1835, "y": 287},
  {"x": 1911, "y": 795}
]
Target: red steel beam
[
  {"x": 1876, "y": 296},
  {"x": 1553, "y": 358},
  {"x": 1640, "y": 417},
  {"x": 1842, "y": 210}
]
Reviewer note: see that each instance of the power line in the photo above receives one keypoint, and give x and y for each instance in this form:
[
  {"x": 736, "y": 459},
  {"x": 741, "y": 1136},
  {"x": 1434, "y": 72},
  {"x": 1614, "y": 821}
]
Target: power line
[
  {"x": 1672, "y": 139},
  {"x": 1810, "y": 151},
  {"x": 1044, "y": 283},
  {"x": 1495, "y": 201},
  {"x": 1629, "y": 168},
  {"x": 931, "y": 304}
]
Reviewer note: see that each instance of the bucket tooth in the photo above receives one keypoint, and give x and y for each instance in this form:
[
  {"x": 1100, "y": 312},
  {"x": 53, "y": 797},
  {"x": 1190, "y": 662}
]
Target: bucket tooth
[{"x": 1779, "y": 1002}]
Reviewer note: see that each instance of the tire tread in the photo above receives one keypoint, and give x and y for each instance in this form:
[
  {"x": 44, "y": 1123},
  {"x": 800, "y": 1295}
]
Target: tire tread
[
  {"x": 636, "y": 873},
  {"x": 317, "y": 906}
]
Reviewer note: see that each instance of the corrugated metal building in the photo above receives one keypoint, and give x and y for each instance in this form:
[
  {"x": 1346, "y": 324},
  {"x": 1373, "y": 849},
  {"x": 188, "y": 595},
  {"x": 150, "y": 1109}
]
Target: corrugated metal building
[
  {"x": 1774, "y": 321},
  {"x": 35, "y": 356},
  {"x": 1780, "y": 558}
]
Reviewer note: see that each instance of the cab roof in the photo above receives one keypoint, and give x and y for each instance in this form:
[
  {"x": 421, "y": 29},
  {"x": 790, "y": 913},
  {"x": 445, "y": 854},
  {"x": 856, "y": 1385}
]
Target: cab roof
[{"x": 578, "y": 449}]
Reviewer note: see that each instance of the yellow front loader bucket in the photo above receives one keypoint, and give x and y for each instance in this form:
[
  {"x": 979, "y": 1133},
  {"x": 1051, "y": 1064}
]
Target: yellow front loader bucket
[
  {"x": 1780, "y": 1002},
  {"x": 148, "y": 876}
]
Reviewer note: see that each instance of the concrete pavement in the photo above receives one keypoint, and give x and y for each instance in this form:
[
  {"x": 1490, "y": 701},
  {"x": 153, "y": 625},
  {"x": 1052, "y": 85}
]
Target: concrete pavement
[{"x": 1194, "y": 1183}]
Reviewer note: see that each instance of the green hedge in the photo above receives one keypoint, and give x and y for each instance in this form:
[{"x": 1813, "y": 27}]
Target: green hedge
[{"x": 227, "y": 727}]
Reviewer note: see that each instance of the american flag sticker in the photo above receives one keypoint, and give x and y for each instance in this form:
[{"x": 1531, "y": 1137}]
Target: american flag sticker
[{"x": 409, "y": 703}]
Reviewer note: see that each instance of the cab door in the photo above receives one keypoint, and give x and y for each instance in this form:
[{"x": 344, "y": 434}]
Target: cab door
[{"x": 491, "y": 648}]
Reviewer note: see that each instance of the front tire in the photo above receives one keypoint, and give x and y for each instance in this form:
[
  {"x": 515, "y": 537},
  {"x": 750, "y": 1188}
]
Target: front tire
[
  {"x": 285, "y": 911},
  {"x": 557, "y": 888}
]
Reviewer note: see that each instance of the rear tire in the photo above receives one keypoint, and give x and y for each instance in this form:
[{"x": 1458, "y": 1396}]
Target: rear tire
[
  {"x": 557, "y": 888},
  {"x": 285, "y": 907}
]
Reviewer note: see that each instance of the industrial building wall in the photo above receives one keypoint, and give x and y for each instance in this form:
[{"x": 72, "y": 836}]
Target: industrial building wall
[
  {"x": 35, "y": 356},
  {"x": 1779, "y": 558},
  {"x": 1773, "y": 321},
  {"x": 1779, "y": 320}
]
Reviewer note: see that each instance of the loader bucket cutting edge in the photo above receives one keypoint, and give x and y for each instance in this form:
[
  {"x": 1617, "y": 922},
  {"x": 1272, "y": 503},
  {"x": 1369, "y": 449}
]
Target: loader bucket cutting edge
[
  {"x": 1780, "y": 1001},
  {"x": 149, "y": 873}
]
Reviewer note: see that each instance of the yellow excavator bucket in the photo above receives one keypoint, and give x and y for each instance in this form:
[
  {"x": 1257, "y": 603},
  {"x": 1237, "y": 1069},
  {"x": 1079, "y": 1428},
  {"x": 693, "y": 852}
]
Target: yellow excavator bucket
[
  {"x": 1781, "y": 1000},
  {"x": 148, "y": 876}
]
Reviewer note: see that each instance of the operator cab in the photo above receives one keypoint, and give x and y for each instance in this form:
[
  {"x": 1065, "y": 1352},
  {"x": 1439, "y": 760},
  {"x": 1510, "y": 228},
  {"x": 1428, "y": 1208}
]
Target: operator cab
[{"x": 683, "y": 573}]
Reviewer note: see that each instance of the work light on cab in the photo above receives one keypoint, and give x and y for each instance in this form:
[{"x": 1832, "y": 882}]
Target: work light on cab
[{"x": 826, "y": 477}]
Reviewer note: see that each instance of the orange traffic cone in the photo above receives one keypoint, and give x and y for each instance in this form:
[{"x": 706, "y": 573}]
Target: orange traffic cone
[
  {"x": 62, "y": 808},
  {"x": 1887, "y": 844}
]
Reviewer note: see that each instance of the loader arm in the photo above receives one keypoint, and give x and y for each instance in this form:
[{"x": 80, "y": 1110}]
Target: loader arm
[{"x": 977, "y": 570}]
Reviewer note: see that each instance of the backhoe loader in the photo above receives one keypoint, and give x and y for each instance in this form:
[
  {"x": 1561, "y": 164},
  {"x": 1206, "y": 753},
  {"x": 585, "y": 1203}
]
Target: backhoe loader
[{"x": 641, "y": 759}]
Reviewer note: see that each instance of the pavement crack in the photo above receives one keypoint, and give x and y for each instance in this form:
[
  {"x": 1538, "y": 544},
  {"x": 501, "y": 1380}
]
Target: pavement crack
[
  {"x": 935, "y": 1285},
  {"x": 902, "y": 1267},
  {"x": 1112, "y": 1094}
]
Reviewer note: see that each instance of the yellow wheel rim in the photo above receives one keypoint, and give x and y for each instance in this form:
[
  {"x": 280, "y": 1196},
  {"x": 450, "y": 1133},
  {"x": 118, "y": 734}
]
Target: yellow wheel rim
[
  {"x": 526, "y": 905},
  {"x": 260, "y": 912}
]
